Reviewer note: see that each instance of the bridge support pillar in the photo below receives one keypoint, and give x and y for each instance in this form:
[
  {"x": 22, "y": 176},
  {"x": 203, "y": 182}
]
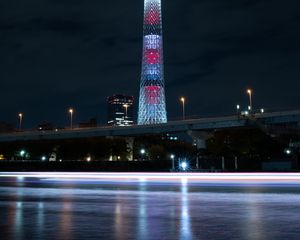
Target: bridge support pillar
[
  {"x": 129, "y": 141},
  {"x": 199, "y": 138},
  {"x": 129, "y": 146}
]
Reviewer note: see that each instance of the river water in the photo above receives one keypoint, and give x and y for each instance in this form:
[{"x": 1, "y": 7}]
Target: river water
[{"x": 48, "y": 208}]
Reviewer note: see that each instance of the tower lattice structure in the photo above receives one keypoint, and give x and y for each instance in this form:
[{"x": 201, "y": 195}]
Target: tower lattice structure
[{"x": 152, "y": 103}]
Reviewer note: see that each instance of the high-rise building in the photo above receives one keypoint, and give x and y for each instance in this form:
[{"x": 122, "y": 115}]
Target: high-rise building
[
  {"x": 152, "y": 104},
  {"x": 120, "y": 110}
]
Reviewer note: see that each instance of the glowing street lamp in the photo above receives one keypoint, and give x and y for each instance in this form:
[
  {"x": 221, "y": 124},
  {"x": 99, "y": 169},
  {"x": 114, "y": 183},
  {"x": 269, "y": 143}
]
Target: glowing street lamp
[
  {"x": 238, "y": 107},
  {"x": 20, "y": 115},
  {"x": 288, "y": 151},
  {"x": 184, "y": 166},
  {"x": 173, "y": 163},
  {"x": 71, "y": 111},
  {"x": 126, "y": 109},
  {"x": 22, "y": 154},
  {"x": 182, "y": 100},
  {"x": 143, "y": 151},
  {"x": 250, "y": 92}
]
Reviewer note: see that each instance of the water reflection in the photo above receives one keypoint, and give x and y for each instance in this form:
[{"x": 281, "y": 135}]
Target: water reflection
[
  {"x": 142, "y": 210},
  {"x": 120, "y": 213},
  {"x": 18, "y": 226},
  {"x": 185, "y": 221},
  {"x": 40, "y": 220},
  {"x": 118, "y": 221},
  {"x": 17, "y": 212},
  {"x": 254, "y": 221},
  {"x": 66, "y": 215}
]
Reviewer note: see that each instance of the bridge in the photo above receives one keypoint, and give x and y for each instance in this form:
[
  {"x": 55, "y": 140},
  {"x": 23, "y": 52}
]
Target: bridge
[{"x": 272, "y": 123}]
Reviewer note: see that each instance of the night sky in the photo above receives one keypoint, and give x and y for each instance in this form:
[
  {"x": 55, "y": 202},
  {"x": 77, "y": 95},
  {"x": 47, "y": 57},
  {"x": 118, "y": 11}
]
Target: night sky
[{"x": 55, "y": 54}]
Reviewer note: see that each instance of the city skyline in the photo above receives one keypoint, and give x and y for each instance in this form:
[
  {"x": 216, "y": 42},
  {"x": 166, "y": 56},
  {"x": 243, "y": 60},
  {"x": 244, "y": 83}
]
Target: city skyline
[{"x": 54, "y": 57}]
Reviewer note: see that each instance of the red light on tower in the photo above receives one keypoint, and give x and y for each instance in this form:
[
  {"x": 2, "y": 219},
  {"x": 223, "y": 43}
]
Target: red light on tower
[
  {"x": 152, "y": 56},
  {"x": 152, "y": 17},
  {"x": 152, "y": 94}
]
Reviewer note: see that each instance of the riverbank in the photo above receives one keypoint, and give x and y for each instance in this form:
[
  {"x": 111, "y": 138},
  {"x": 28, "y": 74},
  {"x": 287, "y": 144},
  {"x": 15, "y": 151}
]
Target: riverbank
[{"x": 83, "y": 166}]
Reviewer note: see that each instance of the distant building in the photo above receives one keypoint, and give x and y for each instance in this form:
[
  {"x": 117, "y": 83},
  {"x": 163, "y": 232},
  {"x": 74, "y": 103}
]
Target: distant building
[{"x": 120, "y": 110}]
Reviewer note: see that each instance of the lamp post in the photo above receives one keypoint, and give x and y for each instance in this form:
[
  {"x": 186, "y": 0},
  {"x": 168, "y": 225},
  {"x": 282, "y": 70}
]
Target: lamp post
[
  {"x": 238, "y": 107},
  {"x": 71, "y": 111},
  {"x": 143, "y": 152},
  {"x": 126, "y": 110},
  {"x": 22, "y": 154},
  {"x": 20, "y": 115},
  {"x": 184, "y": 166},
  {"x": 182, "y": 100},
  {"x": 173, "y": 163},
  {"x": 249, "y": 92}
]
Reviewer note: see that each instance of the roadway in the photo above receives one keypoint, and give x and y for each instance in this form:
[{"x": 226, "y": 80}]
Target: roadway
[{"x": 201, "y": 124}]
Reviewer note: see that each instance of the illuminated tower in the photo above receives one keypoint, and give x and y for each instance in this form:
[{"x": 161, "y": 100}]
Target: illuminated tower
[{"x": 152, "y": 104}]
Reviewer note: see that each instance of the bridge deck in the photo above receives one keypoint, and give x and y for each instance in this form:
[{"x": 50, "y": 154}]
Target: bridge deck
[{"x": 202, "y": 124}]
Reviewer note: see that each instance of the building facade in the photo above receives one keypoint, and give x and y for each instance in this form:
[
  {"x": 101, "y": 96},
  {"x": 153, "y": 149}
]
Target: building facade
[{"x": 120, "y": 110}]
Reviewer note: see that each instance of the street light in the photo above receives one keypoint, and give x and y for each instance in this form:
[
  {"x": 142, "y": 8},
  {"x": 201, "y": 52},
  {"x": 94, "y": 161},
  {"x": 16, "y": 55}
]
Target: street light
[
  {"x": 20, "y": 115},
  {"x": 173, "y": 163},
  {"x": 22, "y": 154},
  {"x": 238, "y": 108},
  {"x": 182, "y": 100},
  {"x": 71, "y": 111},
  {"x": 288, "y": 151},
  {"x": 143, "y": 152},
  {"x": 250, "y": 92},
  {"x": 126, "y": 110},
  {"x": 184, "y": 166}
]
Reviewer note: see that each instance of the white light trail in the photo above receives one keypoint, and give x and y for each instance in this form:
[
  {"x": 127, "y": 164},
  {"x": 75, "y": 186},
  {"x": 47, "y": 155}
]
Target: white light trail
[{"x": 237, "y": 178}]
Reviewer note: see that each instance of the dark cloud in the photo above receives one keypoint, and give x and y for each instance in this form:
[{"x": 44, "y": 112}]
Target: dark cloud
[{"x": 60, "y": 53}]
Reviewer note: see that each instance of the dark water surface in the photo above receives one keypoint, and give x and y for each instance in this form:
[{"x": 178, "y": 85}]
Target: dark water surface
[{"x": 39, "y": 209}]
